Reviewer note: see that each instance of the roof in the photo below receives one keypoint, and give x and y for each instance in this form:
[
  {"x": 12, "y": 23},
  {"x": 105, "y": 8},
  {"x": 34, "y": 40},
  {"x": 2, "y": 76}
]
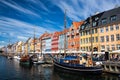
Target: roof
[
  {"x": 46, "y": 35},
  {"x": 97, "y": 18},
  {"x": 77, "y": 24}
]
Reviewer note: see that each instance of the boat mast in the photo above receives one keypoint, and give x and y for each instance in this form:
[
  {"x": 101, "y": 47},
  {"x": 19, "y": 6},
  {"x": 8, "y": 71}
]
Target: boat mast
[
  {"x": 65, "y": 33},
  {"x": 34, "y": 40},
  {"x": 41, "y": 45},
  {"x": 91, "y": 37}
]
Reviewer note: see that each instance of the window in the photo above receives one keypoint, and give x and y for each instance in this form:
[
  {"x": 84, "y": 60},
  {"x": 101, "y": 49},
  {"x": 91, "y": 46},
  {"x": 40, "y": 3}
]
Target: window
[
  {"x": 107, "y": 38},
  {"x": 96, "y": 39},
  {"x": 102, "y": 38},
  {"x": 104, "y": 21},
  {"x": 113, "y": 47},
  {"x": 117, "y": 36},
  {"x": 86, "y": 32},
  {"x": 87, "y": 48},
  {"x": 117, "y": 27},
  {"x": 81, "y": 34},
  {"x": 118, "y": 46},
  {"x": 92, "y": 31},
  {"x": 81, "y": 41},
  {"x": 111, "y": 28},
  {"x": 89, "y": 39},
  {"x": 108, "y": 48},
  {"x": 92, "y": 39},
  {"x": 95, "y": 30},
  {"x": 96, "y": 18},
  {"x": 107, "y": 29},
  {"x": 112, "y": 37},
  {"x": 101, "y": 30},
  {"x": 113, "y": 18},
  {"x": 82, "y": 27},
  {"x": 102, "y": 47},
  {"x": 94, "y": 24},
  {"x": 86, "y": 40},
  {"x": 72, "y": 36}
]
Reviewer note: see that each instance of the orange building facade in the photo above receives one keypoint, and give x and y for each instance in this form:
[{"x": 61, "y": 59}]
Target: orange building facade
[{"x": 74, "y": 36}]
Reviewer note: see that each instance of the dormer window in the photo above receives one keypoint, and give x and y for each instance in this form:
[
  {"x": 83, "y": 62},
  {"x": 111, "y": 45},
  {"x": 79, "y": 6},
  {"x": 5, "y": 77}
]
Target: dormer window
[
  {"x": 94, "y": 24},
  {"x": 104, "y": 21},
  {"x": 96, "y": 18},
  {"x": 82, "y": 27},
  {"x": 113, "y": 18}
]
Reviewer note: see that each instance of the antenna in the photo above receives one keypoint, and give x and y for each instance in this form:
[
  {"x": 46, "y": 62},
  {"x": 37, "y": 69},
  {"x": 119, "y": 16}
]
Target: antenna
[{"x": 65, "y": 32}]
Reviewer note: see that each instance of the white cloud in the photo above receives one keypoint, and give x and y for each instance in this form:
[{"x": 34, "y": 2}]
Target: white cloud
[
  {"x": 39, "y": 3},
  {"x": 20, "y": 30},
  {"x": 78, "y": 9},
  {"x": 20, "y": 8},
  {"x": 22, "y": 37}
]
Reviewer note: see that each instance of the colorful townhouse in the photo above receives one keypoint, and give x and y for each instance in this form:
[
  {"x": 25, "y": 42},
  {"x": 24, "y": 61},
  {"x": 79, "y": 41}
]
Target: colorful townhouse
[
  {"x": 45, "y": 40},
  {"x": 55, "y": 41},
  {"x": 29, "y": 45},
  {"x": 37, "y": 45},
  {"x": 109, "y": 30},
  {"x": 105, "y": 31},
  {"x": 73, "y": 36},
  {"x": 48, "y": 41},
  {"x": 61, "y": 41},
  {"x": 26, "y": 46},
  {"x": 34, "y": 45},
  {"x": 19, "y": 48},
  {"x": 14, "y": 48}
]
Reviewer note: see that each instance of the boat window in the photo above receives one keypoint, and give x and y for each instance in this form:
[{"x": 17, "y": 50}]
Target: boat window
[{"x": 80, "y": 58}]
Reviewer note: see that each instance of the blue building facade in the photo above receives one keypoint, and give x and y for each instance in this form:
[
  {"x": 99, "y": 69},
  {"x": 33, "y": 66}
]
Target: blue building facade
[{"x": 48, "y": 45}]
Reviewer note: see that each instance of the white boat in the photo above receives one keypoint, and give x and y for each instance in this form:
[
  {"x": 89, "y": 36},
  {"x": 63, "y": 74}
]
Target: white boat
[
  {"x": 17, "y": 57},
  {"x": 40, "y": 60}
]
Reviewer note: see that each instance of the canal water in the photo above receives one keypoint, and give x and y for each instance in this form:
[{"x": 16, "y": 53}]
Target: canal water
[{"x": 12, "y": 70}]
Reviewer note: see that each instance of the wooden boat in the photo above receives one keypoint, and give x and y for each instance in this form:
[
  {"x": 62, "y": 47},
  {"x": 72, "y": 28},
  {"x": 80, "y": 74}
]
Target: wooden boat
[
  {"x": 25, "y": 60},
  {"x": 73, "y": 63}
]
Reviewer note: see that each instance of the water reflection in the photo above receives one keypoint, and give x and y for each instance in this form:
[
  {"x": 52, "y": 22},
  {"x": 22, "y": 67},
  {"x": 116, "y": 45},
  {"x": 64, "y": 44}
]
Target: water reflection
[
  {"x": 67, "y": 76},
  {"x": 12, "y": 70}
]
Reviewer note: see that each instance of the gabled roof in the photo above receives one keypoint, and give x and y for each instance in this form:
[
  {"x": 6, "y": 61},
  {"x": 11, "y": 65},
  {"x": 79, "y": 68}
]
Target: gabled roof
[
  {"x": 45, "y": 35},
  {"x": 77, "y": 24},
  {"x": 108, "y": 14},
  {"x": 98, "y": 18},
  {"x": 86, "y": 23}
]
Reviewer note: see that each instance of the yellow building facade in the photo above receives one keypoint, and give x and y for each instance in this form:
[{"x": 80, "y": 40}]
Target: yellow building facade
[
  {"x": 105, "y": 29},
  {"x": 109, "y": 37}
]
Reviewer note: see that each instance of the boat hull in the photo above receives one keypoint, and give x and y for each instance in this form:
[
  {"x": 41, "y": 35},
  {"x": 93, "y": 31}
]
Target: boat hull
[
  {"x": 25, "y": 62},
  {"x": 78, "y": 70}
]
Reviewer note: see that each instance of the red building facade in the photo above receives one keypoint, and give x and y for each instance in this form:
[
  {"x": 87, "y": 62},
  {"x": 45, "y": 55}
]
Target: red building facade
[{"x": 55, "y": 43}]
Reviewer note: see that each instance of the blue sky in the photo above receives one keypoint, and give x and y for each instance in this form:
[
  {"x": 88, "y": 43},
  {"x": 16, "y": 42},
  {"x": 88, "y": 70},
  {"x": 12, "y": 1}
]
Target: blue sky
[{"x": 19, "y": 18}]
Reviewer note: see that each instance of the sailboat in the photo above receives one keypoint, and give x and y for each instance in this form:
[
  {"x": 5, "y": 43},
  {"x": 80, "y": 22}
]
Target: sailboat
[
  {"x": 37, "y": 58},
  {"x": 27, "y": 59},
  {"x": 75, "y": 64}
]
